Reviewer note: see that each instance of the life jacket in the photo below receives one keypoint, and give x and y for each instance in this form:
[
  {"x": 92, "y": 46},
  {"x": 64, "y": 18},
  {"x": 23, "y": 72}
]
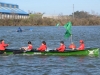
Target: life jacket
[
  {"x": 3, "y": 46},
  {"x": 72, "y": 46},
  {"x": 81, "y": 47},
  {"x": 30, "y": 47},
  {"x": 42, "y": 48},
  {"x": 61, "y": 48}
]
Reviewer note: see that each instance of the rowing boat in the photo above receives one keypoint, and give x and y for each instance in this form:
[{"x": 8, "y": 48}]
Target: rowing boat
[{"x": 88, "y": 51}]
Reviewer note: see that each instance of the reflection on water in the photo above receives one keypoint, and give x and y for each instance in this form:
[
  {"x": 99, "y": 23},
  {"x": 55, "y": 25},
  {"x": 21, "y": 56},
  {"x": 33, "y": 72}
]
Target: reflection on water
[
  {"x": 49, "y": 65},
  {"x": 81, "y": 59}
]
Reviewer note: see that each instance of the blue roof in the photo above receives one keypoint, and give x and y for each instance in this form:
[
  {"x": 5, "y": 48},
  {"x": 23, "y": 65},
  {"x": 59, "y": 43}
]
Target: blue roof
[
  {"x": 8, "y": 10},
  {"x": 7, "y": 3}
]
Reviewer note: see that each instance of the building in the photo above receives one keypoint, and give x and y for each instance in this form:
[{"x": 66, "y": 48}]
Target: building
[
  {"x": 50, "y": 16},
  {"x": 11, "y": 11},
  {"x": 55, "y": 16}
]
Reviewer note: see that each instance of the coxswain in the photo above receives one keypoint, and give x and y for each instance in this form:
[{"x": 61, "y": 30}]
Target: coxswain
[
  {"x": 82, "y": 45},
  {"x": 3, "y": 46},
  {"x": 29, "y": 47},
  {"x": 62, "y": 47},
  {"x": 72, "y": 46},
  {"x": 43, "y": 47}
]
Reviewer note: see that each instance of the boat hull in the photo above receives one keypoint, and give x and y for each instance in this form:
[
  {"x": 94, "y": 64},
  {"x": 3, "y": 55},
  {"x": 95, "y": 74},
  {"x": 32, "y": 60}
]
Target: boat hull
[{"x": 89, "y": 51}]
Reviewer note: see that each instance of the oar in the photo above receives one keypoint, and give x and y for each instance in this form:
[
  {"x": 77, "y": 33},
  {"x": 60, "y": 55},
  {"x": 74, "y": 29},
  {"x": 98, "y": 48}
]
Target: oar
[{"x": 12, "y": 49}]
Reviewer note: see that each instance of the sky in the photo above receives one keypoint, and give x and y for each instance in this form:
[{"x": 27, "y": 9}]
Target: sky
[{"x": 57, "y": 7}]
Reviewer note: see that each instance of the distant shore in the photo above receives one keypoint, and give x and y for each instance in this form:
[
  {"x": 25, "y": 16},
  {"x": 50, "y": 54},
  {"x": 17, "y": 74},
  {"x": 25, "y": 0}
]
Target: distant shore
[
  {"x": 81, "y": 18},
  {"x": 49, "y": 22}
]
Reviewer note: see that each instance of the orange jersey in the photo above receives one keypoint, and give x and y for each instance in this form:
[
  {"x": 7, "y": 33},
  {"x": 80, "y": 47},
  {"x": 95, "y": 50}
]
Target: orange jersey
[
  {"x": 30, "y": 47},
  {"x": 71, "y": 46},
  {"x": 81, "y": 47},
  {"x": 42, "y": 47},
  {"x": 3, "y": 46},
  {"x": 61, "y": 48}
]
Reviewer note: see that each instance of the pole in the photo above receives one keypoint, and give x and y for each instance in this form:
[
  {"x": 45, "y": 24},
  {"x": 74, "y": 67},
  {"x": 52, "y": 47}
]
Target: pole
[
  {"x": 73, "y": 21},
  {"x": 73, "y": 11},
  {"x": 71, "y": 39}
]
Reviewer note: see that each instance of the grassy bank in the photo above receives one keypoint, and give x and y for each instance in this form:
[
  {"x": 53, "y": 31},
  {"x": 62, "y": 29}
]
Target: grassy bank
[
  {"x": 36, "y": 19},
  {"x": 49, "y": 21}
]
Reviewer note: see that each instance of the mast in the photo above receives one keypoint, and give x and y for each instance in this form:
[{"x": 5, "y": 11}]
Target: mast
[
  {"x": 73, "y": 11},
  {"x": 71, "y": 38}
]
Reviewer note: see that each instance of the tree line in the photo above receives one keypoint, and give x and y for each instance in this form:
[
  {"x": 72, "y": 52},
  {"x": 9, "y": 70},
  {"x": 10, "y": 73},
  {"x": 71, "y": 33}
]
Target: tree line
[{"x": 80, "y": 18}]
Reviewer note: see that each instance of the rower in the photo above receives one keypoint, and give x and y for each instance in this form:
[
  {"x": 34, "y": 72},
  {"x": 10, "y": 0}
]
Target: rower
[
  {"x": 43, "y": 47},
  {"x": 62, "y": 47},
  {"x": 28, "y": 48},
  {"x": 72, "y": 46},
  {"x": 82, "y": 45},
  {"x": 3, "y": 46},
  {"x": 19, "y": 30}
]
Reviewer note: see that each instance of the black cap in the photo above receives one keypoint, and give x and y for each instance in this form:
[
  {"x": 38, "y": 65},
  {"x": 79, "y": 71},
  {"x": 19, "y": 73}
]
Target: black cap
[
  {"x": 44, "y": 42},
  {"x": 62, "y": 42},
  {"x": 1, "y": 39},
  {"x": 29, "y": 42}
]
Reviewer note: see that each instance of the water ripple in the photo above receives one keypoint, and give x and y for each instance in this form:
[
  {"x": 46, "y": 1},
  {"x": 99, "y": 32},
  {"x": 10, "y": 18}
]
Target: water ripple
[{"x": 50, "y": 65}]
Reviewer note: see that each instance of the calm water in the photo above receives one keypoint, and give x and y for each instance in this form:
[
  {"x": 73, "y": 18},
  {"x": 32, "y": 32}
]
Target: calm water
[{"x": 49, "y": 65}]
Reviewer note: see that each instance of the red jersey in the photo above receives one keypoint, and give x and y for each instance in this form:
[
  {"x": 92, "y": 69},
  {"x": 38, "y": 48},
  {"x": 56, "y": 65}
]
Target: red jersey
[
  {"x": 81, "y": 47},
  {"x": 61, "y": 48},
  {"x": 42, "y": 48},
  {"x": 30, "y": 47},
  {"x": 3, "y": 46},
  {"x": 72, "y": 46}
]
